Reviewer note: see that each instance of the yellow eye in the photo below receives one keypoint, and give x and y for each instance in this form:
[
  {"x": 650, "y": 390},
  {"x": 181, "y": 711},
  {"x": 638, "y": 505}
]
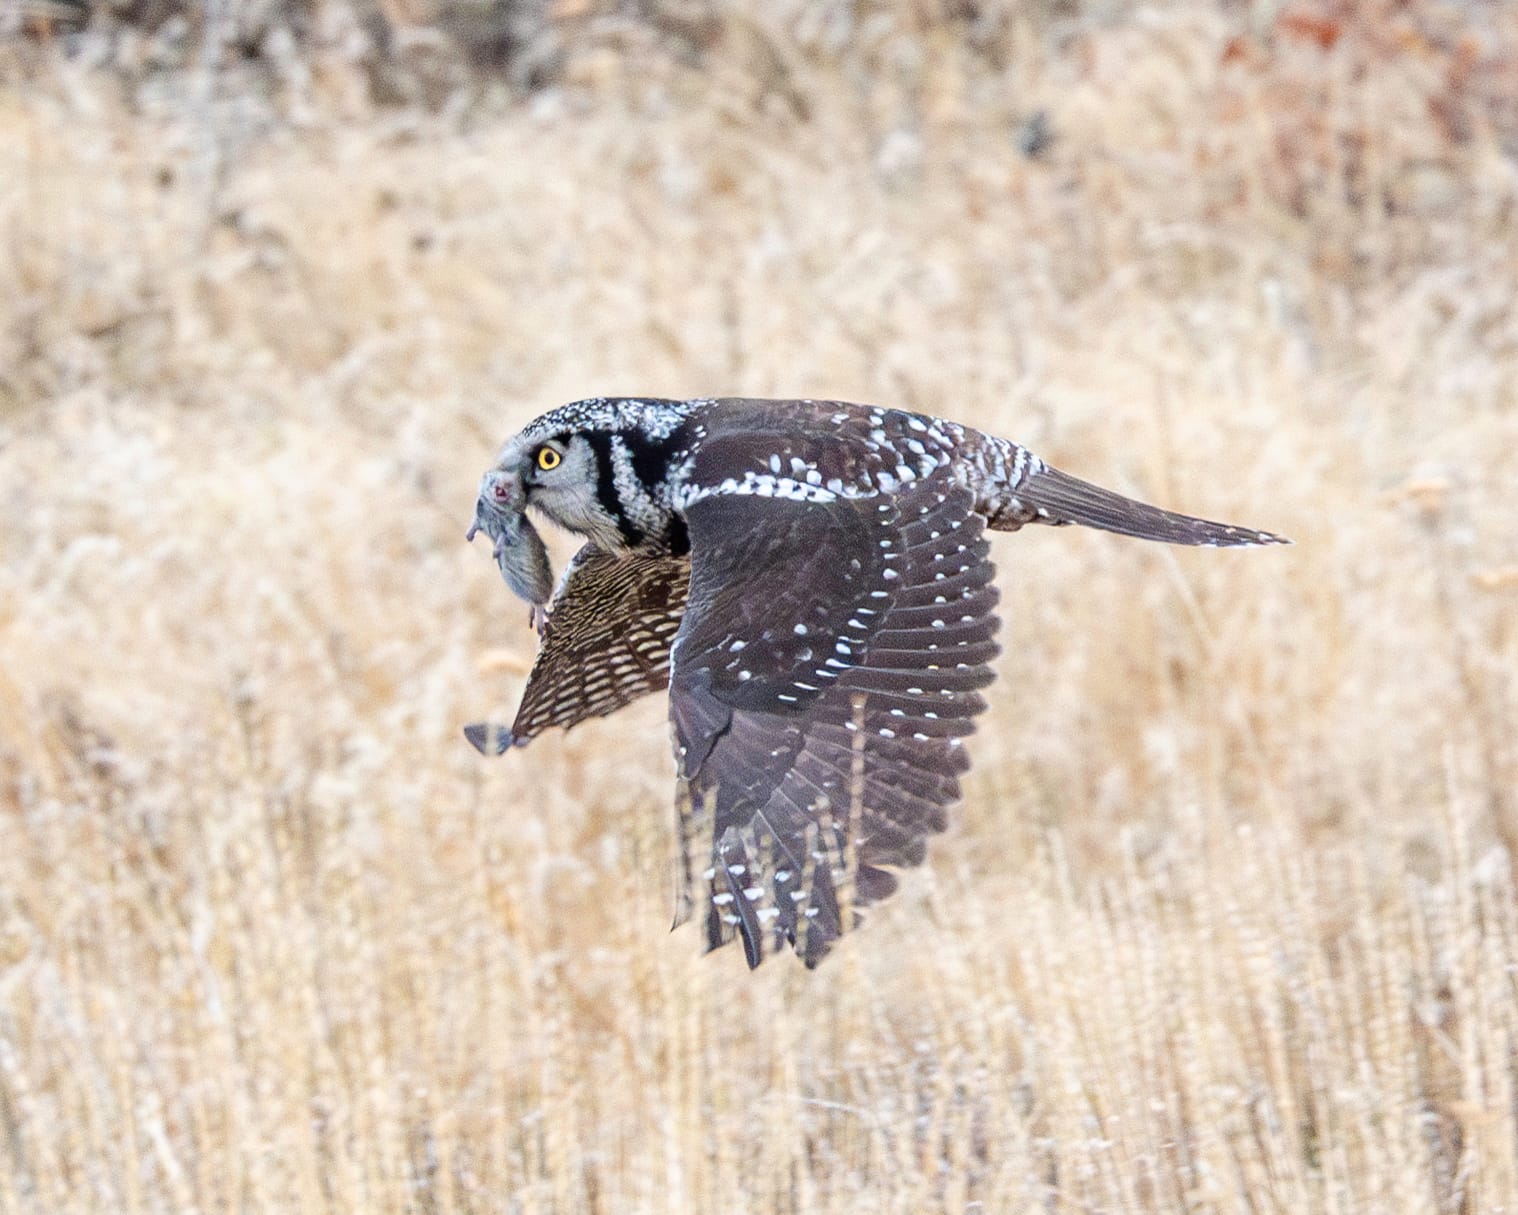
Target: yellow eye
[{"x": 549, "y": 459}]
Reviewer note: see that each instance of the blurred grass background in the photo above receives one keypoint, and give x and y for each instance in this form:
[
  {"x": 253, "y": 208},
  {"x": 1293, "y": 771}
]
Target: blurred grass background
[{"x": 1227, "y": 920}]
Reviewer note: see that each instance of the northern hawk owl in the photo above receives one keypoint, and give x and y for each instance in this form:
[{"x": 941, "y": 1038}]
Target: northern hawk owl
[{"x": 811, "y": 581}]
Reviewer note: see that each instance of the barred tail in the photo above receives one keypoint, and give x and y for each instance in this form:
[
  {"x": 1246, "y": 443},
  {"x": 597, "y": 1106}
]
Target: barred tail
[{"x": 1046, "y": 495}]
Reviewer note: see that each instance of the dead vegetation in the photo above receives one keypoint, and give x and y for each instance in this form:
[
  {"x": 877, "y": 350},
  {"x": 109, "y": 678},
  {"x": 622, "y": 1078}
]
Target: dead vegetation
[{"x": 1227, "y": 921}]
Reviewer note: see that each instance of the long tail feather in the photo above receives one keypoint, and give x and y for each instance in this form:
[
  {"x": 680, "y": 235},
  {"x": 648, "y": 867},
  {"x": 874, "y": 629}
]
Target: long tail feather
[{"x": 1057, "y": 497}]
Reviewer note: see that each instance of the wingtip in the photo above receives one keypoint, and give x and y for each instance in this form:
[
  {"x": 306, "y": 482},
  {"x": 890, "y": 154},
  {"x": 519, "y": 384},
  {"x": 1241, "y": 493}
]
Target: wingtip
[{"x": 488, "y": 738}]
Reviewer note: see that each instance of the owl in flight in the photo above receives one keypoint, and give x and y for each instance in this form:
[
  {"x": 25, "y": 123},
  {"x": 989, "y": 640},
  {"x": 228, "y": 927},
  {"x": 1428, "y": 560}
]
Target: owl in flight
[{"x": 811, "y": 582}]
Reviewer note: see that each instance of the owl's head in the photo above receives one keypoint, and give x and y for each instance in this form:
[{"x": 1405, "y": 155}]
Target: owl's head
[{"x": 598, "y": 468}]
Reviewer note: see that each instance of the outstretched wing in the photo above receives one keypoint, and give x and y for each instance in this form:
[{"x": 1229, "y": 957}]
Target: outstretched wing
[
  {"x": 827, "y": 667},
  {"x": 605, "y": 642}
]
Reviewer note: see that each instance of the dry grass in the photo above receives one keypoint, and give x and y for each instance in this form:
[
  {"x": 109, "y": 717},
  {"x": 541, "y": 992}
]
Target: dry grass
[{"x": 1227, "y": 922}]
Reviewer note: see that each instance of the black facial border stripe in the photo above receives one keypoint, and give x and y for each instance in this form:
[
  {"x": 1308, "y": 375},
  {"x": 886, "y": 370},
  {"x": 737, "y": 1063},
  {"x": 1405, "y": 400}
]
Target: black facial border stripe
[{"x": 606, "y": 484}]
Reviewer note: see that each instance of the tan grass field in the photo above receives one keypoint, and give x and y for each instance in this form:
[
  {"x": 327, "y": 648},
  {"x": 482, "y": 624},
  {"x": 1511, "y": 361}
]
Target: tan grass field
[{"x": 1227, "y": 920}]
